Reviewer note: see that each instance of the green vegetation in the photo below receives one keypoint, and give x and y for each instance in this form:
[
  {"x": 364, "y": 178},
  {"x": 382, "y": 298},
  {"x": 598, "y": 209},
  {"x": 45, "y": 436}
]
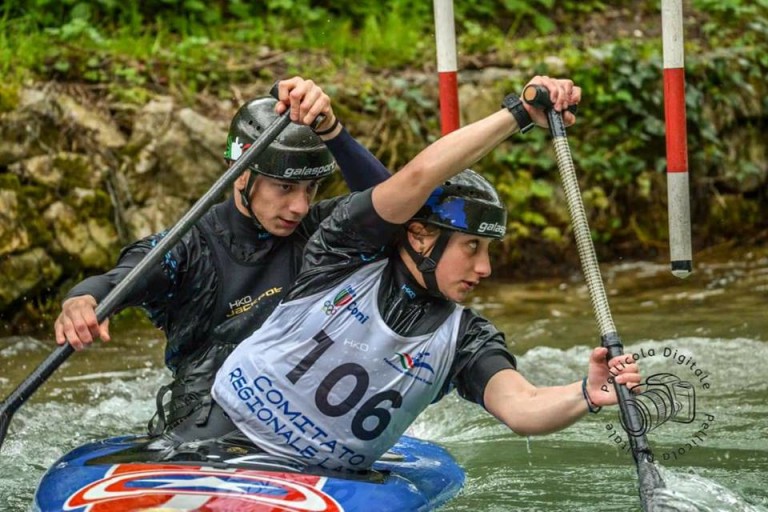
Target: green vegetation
[
  {"x": 365, "y": 50},
  {"x": 188, "y": 46}
]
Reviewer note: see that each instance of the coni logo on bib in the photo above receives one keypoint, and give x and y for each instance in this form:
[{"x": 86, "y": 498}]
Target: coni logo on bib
[{"x": 345, "y": 300}]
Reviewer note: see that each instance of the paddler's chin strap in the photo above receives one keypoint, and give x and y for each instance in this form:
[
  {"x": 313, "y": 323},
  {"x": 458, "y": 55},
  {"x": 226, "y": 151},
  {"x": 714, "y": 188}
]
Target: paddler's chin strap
[
  {"x": 246, "y": 200},
  {"x": 427, "y": 265}
]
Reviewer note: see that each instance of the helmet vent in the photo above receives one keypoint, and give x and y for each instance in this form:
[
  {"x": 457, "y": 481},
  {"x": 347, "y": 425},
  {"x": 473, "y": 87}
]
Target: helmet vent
[{"x": 251, "y": 122}]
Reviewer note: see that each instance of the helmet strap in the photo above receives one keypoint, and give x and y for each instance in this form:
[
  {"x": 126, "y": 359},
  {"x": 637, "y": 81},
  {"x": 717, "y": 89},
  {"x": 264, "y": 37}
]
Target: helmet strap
[
  {"x": 427, "y": 265},
  {"x": 245, "y": 194}
]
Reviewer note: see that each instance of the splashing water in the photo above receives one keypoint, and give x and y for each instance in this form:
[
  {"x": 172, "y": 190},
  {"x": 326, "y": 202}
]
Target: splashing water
[
  {"x": 715, "y": 318},
  {"x": 690, "y": 492}
]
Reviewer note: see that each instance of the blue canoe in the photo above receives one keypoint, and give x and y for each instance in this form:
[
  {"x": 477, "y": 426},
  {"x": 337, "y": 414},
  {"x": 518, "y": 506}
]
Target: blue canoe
[{"x": 118, "y": 474}]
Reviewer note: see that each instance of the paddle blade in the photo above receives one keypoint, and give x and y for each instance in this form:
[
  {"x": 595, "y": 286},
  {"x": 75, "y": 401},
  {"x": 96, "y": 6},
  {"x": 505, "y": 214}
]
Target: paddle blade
[{"x": 649, "y": 480}]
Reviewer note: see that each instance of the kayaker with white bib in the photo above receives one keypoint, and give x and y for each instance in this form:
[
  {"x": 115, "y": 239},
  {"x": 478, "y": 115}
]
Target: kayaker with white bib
[{"x": 372, "y": 332}]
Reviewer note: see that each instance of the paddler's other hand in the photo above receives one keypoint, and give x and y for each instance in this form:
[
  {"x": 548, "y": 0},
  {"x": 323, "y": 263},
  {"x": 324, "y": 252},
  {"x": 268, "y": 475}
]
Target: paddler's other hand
[
  {"x": 306, "y": 100},
  {"x": 77, "y": 323},
  {"x": 562, "y": 93},
  {"x": 601, "y": 376}
]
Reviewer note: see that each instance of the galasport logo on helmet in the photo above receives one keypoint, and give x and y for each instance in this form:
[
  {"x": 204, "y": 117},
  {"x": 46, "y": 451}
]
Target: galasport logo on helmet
[
  {"x": 292, "y": 172},
  {"x": 492, "y": 227}
]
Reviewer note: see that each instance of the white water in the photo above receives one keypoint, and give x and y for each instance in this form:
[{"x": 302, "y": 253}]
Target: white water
[
  {"x": 717, "y": 318},
  {"x": 582, "y": 469}
]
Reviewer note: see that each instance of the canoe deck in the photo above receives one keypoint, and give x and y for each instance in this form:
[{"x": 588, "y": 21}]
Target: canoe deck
[{"x": 120, "y": 474}]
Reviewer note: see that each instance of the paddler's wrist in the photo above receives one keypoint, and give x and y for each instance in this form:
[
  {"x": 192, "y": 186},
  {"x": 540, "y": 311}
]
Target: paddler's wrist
[
  {"x": 328, "y": 129},
  {"x": 591, "y": 407}
]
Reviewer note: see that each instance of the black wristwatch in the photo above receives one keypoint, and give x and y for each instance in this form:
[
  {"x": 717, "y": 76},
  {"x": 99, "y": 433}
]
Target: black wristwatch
[{"x": 514, "y": 104}]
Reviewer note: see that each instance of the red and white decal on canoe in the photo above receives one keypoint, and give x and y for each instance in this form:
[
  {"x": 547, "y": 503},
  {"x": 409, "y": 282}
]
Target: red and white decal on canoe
[{"x": 204, "y": 489}]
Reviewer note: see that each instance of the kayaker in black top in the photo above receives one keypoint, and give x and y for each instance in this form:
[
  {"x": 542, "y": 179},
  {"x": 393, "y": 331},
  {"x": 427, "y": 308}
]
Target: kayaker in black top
[
  {"x": 371, "y": 332},
  {"x": 221, "y": 281}
]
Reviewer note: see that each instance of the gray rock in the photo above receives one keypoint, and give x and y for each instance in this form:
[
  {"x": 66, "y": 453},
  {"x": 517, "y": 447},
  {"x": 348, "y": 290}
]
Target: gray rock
[
  {"x": 22, "y": 275},
  {"x": 89, "y": 241},
  {"x": 13, "y": 235}
]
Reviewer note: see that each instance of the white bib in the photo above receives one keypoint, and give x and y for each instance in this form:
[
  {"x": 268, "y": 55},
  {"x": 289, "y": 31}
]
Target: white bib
[{"x": 327, "y": 382}]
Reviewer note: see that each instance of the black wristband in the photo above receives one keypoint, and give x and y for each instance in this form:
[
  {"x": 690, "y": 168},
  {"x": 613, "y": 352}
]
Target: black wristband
[
  {"x": 329, "y": 130},
  {"x": 594, "y": 409},
  {"x": 515, "y": 106}
]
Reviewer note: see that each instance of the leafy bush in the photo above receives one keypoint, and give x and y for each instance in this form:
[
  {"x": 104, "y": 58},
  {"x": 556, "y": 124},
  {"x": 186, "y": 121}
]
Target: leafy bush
[{"x": 186, "y": 46}]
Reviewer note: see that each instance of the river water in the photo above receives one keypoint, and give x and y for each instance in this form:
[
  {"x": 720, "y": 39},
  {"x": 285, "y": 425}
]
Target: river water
[{"x": 709, "y": 329}]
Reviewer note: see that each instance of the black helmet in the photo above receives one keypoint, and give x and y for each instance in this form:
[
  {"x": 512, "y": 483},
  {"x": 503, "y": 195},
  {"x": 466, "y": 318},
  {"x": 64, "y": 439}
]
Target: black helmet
[
  {"x": 296, "y": 154},
  {"x": 467, "y": 203}
]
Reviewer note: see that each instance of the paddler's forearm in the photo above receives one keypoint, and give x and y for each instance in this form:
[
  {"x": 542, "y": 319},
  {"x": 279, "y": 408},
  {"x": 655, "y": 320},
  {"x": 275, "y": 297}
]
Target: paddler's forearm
[
  {"x": 530, "y": 410},
  {"x": 397, "y": 199},
  {"x": 462, "y": 148},
  {"x": 154, "y": 282},
  {"x": 550, "y": 409}
]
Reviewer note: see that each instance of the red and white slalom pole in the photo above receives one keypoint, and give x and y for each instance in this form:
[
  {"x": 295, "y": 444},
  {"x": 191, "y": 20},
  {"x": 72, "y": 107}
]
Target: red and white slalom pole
[
  {"x": 445, "y": 34},
  {"x": 676, "y": 134}
]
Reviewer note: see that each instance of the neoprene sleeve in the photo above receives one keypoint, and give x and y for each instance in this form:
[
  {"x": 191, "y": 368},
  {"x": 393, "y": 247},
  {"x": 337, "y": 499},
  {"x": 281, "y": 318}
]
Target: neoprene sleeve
[{"x": 361, "y": 170}]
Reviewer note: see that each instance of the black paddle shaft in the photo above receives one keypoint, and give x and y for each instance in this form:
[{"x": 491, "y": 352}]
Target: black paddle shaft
[
  {"x": 136, "y": 276},
  {"x": 648, "y": 475}
]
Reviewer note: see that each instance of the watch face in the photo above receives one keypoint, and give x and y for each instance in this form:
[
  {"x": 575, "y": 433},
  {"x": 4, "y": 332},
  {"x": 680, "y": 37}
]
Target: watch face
[{"x": 511, "y": 100}]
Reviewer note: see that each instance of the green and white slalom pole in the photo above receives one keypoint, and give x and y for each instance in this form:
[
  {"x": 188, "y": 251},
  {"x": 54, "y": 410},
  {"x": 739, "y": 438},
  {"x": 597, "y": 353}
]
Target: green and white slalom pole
[{"x": 648, "y": 474}]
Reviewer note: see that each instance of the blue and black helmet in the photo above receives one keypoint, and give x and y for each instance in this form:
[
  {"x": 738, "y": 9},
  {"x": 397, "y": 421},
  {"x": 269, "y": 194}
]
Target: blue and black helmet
[
  {"x": 467, "y": 203},
  {"x": 296, "y": 154}
]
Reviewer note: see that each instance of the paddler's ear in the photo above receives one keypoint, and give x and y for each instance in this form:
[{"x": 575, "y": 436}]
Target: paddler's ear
[
  {"x": 242, "y": 181},
  {"x": 415, "y": 234},
  {"x": 421, "y": 236}
]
